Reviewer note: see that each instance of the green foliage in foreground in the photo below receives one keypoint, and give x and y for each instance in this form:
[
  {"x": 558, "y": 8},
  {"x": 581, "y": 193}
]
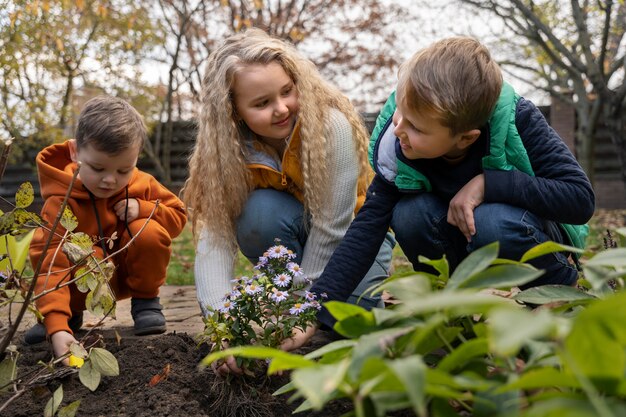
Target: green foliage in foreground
[{"x": 455, "y": 345}]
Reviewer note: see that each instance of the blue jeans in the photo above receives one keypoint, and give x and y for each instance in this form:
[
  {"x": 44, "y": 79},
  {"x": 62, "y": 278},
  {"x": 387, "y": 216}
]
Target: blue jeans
[
  {"x": 269, "y": 214},
  {"x": 421, "y": 228}
]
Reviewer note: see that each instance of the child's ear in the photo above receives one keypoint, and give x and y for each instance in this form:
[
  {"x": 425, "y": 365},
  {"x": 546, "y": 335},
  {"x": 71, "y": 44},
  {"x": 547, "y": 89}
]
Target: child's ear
[
  {"x": 73, "y": 149},
  {"x": 468, "y": 138}
]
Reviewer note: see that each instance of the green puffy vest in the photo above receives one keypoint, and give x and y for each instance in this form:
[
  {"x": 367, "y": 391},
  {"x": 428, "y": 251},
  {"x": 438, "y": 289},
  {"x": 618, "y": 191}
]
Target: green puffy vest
[{"x": 506, "y": 152}]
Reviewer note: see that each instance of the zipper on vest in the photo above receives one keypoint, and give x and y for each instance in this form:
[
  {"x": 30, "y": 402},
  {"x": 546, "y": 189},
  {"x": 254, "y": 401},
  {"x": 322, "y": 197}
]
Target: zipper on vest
[{"x": 283, "y": 179}]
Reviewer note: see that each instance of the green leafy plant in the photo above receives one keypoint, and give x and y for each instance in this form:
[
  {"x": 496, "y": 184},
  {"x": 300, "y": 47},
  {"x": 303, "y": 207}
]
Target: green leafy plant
[
  {"x": 264, "y": 309},
  {"x": 474, "y": 345}
]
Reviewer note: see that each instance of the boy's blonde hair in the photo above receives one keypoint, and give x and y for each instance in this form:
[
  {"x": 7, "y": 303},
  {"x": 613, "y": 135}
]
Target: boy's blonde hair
[
  {"x": 219, "y": 181},
  {"x": 454, "y": 78},
  {"x": 110, "y": 125}
]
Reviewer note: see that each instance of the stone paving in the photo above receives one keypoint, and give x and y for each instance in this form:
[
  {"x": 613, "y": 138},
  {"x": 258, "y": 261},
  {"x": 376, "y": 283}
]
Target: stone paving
[{"x": 180, "y": 308}]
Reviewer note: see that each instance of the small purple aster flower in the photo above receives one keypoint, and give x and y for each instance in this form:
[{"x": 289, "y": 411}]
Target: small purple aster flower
[
  {"x": 277, "y": 251},
  {"x": 282, "y": 280},
  {"x": 226, "y": 306},
  {"x": 253, "y": 289},
  {"x": 309, "y": 296},
  {"x": 313, "y": 304},
  {"x": 234, "y": 294},
  {"x": 262, "y": 262},
  {"x": 297, "y": 309},
  {"x": 324, "y": 295},
  {"x": 279, "y": 296},
  {"x": 295, "y": 269}
]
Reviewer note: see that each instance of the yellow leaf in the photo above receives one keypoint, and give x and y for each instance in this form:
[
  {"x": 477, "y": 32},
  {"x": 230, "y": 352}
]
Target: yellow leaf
[
  {"x": 103, "y": 11},
  {"x": 76, "y": 362},
  {"x": 68, "y": 220},
  {"x": 46, "y": 6},
  {"x": 59, "y": 43},
  {"x": 224, "y": 3},
  {"x": 24, "y": 195},
  {"x": 80, "y": 4},
  {"x": 258, "y": 4}
]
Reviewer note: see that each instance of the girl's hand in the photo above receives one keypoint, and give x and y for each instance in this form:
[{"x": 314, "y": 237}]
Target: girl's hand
[
  {"x": 123, "y": 214},
  {"x": 461, "y": 209}
]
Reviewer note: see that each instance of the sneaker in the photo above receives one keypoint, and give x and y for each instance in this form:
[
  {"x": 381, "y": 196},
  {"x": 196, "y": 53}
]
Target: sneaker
[
  {"x": 37, "y": 333},
  {"x": 147, "y": 316}
]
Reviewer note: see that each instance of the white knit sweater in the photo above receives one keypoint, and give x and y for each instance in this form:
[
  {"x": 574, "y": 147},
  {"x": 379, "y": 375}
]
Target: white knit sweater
[{"x": 214, "y": 263}]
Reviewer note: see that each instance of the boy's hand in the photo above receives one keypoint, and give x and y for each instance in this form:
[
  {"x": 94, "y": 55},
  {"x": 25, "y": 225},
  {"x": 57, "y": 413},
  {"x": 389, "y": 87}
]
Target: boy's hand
[
  {"x": 133, "y": 209},
  {"x": 61, "y": 342},
  {"x": 298, "y": 338},
  {"x": 461, "y": 210}
]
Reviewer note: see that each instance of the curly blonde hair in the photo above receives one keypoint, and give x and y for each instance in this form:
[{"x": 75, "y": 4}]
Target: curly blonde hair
[{"x": 219, "y": 182}]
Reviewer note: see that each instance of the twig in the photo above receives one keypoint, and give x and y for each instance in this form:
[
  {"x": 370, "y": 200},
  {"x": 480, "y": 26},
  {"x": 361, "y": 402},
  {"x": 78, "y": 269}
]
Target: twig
[{"x": 4, "y": 159}]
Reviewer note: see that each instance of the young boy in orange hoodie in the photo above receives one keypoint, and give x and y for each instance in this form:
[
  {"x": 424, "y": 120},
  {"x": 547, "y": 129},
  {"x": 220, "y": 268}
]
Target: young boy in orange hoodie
[{"x": 110, "y": 196}]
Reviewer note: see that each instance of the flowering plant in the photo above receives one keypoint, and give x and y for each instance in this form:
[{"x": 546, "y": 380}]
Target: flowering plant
[{"x": 265, "y": 308}]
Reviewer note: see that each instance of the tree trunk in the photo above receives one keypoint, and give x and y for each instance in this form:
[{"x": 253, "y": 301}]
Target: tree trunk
[{"x": 615, "y": 123}]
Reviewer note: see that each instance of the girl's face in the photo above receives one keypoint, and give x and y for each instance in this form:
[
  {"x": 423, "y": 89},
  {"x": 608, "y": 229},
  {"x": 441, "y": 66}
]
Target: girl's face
[{"x": 266, "y": 99}]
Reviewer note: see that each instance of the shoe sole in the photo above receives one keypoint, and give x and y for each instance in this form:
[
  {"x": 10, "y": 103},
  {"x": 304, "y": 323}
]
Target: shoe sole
[{"x": 151, "y": 330}]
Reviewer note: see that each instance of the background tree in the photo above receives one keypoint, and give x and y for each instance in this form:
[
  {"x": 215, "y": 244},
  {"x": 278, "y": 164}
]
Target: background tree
[
  {"x": 52, "y": 47},
  {"x": 575, "y": 52}
]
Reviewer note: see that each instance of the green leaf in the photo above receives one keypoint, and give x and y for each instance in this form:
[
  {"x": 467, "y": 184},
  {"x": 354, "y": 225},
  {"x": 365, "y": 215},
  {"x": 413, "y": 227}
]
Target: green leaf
[
  {"x": 541, "y": 378},
  {"x": 69, "y": 410},
  {"x": 17, "y": 249},
  {"x": 615, "y": 258},
  {"x": 319, "y": 382},
  {"x": 8, "y": 372},
  {"x": 440, "y": 265},
  {"x": 408, "y": 287},
  {"x": 570, "y": 407},
  {"x": 552, "y": 293},
  {"x": 472, "y": 264},
  {"x": 68, "y": 220},
  {"x": 89, "y": 376},
  {"x": 506, "y": 339},
  {"x": 78, "y": 350},
  {"x": 104, "y": 362},
  {"x": 53, "y": 403},
  {"x": 502, "y": 276},
  {"x": 412, "y": 372},
  {"x": 280, "y": 360},
  {"x": 25, "y": 195},
  {"x": 455, "y": 303},
  {"x": 546, "y": 248},
  {"x": 341, "y": 310},
  {"x": 596, "y": 345},
  {"x": 463, "y": 354},
  {"x": 331, "y": 347}
]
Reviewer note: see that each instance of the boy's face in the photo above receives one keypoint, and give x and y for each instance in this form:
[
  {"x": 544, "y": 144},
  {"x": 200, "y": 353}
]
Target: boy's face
[
  {"x": 101, "y": 173},
  {"x": 422, "y": 136}
]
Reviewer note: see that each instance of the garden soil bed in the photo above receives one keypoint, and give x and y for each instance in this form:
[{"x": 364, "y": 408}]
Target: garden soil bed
[{"x": 187, "y": 391}]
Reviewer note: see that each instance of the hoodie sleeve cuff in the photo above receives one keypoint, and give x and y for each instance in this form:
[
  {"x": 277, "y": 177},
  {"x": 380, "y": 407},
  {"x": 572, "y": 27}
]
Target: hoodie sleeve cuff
[
  {"x": 56, "y": 322},
  {"x": 145, "y": 208}
]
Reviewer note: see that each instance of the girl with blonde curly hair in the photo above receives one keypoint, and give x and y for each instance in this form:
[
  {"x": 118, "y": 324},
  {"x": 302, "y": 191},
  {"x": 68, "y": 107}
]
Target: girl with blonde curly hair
[{"x": 280, "y": 153}]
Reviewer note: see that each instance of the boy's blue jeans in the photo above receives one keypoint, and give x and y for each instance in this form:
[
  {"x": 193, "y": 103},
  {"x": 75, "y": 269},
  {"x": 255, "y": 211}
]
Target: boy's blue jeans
[
  {"x": 270, "y": 214},
  {"x": 421, "y": 228}
]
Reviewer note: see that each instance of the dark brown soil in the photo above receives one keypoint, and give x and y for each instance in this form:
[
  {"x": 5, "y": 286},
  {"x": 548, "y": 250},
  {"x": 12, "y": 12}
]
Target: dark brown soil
[{"x": 187, "y": 391}]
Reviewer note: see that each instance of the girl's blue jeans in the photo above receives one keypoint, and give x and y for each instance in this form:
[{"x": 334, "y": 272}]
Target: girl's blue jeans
[
  {"x": 421, "y": 228},
  {"x": 269, "y": 214}
]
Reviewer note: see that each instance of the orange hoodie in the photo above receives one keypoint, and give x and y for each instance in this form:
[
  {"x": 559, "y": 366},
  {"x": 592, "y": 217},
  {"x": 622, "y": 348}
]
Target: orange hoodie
[{"x": 55, "y": 169}]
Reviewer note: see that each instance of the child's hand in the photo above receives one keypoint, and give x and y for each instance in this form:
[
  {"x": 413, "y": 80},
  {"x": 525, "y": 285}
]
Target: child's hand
[
  {"x": 461, "y": 210},
  {"x": 61, "y": 342},
  {"x": 298, "y": 338},
  {"x": 133, "y": 209}
]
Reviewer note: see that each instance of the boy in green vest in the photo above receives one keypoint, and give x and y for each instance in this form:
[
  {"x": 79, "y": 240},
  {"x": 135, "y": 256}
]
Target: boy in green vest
[{"x": 462, "y": 161}]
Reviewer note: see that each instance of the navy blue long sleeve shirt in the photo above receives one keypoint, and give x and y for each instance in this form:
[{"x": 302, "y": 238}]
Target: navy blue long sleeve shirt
[{"x": 559, "y": 191}]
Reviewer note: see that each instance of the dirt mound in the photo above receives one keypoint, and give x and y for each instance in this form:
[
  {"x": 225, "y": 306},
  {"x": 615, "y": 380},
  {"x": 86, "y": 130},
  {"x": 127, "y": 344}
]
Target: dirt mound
[{"x": 187, "y": 391}]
